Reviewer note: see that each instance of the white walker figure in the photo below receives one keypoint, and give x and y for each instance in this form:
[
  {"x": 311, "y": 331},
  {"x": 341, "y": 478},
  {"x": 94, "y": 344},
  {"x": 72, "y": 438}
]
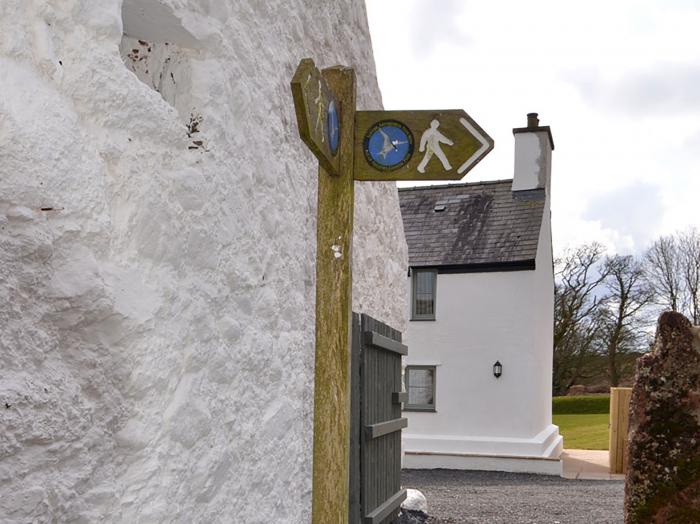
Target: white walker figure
[
  {"x": 320, "y": 106},
  {"x": 430, "y": 143}
]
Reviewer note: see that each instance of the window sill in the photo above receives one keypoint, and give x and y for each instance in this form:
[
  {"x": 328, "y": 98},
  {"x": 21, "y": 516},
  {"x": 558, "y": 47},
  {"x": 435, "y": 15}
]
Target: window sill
[
  {"x": 423, "y": 410},
  {"x": 414, "y": 319}
]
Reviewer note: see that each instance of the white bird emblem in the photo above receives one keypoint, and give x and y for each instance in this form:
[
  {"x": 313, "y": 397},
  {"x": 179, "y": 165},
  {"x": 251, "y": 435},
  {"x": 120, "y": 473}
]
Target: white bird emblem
[{"x": 389, "y": 144}]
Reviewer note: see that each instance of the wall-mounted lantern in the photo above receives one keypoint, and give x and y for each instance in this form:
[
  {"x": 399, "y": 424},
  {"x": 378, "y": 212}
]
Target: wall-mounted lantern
[{"x": 497, "y": 369}]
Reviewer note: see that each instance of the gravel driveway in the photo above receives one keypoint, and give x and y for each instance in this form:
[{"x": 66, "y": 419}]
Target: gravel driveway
[{"x": 515, "y": 498}]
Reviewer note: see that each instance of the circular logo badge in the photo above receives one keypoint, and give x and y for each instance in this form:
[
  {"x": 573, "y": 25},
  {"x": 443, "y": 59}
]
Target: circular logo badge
[
  {"x": 388, "y": 145},
  {"x": 333, "y": 127}
]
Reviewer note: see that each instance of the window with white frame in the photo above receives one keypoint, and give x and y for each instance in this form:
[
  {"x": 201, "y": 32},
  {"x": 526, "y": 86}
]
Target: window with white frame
[
  {"x": 423, "y": 294},
  {"x": 420, "y": 385}
]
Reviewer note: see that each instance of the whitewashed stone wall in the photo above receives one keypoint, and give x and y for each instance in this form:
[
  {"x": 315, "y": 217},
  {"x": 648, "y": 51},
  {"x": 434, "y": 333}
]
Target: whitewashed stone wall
[{"x": 157, "y": 247}]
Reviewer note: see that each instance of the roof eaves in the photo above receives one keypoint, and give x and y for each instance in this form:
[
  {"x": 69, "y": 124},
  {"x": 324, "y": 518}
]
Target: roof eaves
[
  {"x": 482, "y": 267},
  {"x": 463, "y": 184}
]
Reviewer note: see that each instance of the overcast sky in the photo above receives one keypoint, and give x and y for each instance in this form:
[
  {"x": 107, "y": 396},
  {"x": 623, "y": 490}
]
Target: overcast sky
[{"x": 617, "y": 81}]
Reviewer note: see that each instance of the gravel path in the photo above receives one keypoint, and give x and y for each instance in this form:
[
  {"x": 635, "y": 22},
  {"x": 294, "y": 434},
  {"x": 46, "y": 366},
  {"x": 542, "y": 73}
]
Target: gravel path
[{"x": 457, "y": 497}]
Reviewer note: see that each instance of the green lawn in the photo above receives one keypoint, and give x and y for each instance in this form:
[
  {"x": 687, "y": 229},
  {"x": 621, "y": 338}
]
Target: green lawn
[
  {"x": 583, "y": 431},
  {"x": 583, "y": 421}
]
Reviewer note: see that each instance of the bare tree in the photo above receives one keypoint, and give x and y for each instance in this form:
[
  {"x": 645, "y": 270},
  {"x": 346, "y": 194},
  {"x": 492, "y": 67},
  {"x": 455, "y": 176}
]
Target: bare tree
[
  {"x": 623, "y": 318},
  {"x": 689, "y": 250},
  {"x": 578, "y": 275},
  {"x": 663, "y": 269},
  {"x": 602, "y": 305},
  {"x": 673, "y": 272}
]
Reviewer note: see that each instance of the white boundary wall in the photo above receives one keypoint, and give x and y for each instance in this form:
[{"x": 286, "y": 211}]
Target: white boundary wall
[{"x": 157, "y": 316}]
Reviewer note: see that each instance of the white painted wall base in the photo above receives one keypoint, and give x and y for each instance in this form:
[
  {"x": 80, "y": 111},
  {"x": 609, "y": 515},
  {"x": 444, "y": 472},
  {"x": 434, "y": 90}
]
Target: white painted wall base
[
  {"x": 546, "y": 444},
  {"x": 539, "y": 465},
  {"x": 540, "y": 454}
]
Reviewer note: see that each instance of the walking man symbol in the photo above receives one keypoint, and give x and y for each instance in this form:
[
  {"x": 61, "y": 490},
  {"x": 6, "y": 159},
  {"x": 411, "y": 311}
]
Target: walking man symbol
[
  {"x": 320, "y": 112},
  {"x": 430, "y": 143}
]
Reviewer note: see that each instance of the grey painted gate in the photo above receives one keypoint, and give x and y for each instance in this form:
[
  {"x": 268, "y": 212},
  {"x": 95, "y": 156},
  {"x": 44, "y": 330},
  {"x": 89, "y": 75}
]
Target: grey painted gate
[{"x": 375, "y": 443}]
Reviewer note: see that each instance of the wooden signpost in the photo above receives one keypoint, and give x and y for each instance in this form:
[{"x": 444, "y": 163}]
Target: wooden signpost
[
  {"x": 358, "y": 145},
  {"x": 333, "y": 279}
]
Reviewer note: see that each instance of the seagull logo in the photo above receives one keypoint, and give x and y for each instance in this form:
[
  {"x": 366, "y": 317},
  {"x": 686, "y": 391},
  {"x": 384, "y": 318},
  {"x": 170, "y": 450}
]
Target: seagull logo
[{"x": 389, "y": 144}]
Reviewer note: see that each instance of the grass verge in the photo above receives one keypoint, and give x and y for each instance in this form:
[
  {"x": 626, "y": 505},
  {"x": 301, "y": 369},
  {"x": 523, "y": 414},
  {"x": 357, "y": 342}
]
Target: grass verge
[{"x": 583, "y": 431}]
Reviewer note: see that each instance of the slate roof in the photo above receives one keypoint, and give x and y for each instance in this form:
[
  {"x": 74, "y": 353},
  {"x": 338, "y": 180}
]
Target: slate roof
[{"x": 482, "y": 227}]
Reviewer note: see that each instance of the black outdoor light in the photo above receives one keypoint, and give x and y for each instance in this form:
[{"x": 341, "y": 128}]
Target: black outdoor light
[{"x": 497, "y": 369}]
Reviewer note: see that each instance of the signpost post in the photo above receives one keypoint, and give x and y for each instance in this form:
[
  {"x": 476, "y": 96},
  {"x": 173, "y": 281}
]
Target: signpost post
[
  {"x": 358, "y": 145},
  {"x": 325, "y": 107}
]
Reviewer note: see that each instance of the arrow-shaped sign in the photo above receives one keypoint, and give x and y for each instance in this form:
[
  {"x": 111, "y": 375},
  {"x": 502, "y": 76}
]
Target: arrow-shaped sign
[
  {"x": 318, "y": 114},
  {"x": 417, "y": 145}
]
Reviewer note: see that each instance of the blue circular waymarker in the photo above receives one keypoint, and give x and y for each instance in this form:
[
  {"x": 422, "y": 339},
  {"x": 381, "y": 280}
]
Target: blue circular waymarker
[
  {"x": 333, "y": 127},
  {"x": 388, "y": 145}
]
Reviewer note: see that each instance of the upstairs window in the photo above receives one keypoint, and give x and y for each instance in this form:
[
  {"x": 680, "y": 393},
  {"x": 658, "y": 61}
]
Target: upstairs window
[
  {"x": 424, "y": 286},
  {"x": 420, "y": 385}
]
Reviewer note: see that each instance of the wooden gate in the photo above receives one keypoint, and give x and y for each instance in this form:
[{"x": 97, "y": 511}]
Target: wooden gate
[
  {"x": 375, "y": 441},
  {"x": 619, "y": 425}
]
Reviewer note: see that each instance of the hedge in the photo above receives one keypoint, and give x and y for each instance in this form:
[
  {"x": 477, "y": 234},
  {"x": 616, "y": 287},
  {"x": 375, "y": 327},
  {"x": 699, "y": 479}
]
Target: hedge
[{"x": 581, "y": 405}]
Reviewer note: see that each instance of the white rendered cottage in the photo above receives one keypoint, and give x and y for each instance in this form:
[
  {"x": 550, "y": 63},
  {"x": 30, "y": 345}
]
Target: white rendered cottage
[{"x": 479, "y": 369}]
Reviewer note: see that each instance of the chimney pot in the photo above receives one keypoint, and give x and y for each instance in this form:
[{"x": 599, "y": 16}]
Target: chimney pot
[{"x": 532, "y": 120}]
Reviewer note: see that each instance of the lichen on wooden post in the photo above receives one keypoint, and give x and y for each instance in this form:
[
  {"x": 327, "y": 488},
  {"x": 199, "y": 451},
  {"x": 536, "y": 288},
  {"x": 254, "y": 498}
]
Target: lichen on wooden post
[
  {"x": 333, "y": 317},
  {"x": 663, "y": 475}
]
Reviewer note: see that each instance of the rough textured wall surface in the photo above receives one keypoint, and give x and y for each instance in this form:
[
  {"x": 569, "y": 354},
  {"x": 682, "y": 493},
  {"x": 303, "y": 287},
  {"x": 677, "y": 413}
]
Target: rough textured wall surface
[
  {"x": 157, "y": 247},
  {"x": 663, "y": 475}
]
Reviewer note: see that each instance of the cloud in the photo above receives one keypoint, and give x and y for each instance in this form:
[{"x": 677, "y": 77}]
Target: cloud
[
  {"x": 665, "y": 89},
  {"x": 634, "y": 211},
  {"x": 437, "y": 22},
  {"x": 692, "y": 144}
]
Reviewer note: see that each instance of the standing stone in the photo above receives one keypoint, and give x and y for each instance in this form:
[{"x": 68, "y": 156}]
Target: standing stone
[{"x": 663, "y": 477}]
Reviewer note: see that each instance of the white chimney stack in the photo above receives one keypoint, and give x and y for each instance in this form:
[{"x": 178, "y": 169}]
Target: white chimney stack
[{"x": 533, "y": 156}]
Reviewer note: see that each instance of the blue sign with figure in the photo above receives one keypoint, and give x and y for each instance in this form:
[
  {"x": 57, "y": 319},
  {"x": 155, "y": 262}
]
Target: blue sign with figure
[
  {"x": 333, "y": 129},
  {"x": 388, "y": 145}
]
